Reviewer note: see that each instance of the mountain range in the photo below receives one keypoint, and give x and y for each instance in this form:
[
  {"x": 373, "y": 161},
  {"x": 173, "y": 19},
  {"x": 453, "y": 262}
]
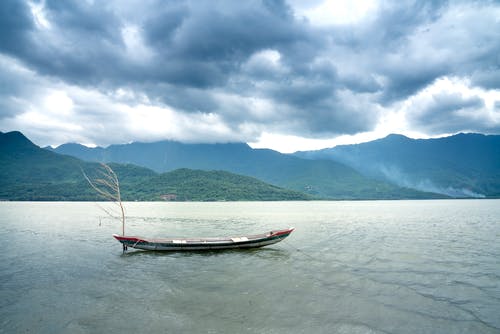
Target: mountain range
[
  {"x": 462, "y": 165},
  {"x": 320, "y": 178},
  {"x": 395, "y": 167}
]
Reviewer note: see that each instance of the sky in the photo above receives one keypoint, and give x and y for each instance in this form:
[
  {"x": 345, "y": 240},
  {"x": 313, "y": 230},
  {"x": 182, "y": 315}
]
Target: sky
[{"x": 286, "y": 75}]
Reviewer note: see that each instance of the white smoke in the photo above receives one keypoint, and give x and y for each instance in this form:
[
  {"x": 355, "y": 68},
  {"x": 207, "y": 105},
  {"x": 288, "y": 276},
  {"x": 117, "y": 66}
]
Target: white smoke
[{"x": 395, "y": 175}]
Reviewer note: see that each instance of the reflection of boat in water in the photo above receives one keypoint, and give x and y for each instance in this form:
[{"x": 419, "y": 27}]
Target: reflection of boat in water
[{"x": 197, "y": 244}]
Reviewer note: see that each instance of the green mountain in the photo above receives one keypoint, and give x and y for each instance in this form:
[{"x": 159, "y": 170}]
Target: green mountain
[
  {"x": 463, "y": 165},
  {"x": 28, "y": 172},
  {"x": 326, "y": 179},
  {"x": 198, "y": 185}
]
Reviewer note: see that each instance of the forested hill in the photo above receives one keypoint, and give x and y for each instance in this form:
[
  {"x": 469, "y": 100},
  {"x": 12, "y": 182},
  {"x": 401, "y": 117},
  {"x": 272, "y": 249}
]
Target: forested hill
[{"x": 28, "y": 172}]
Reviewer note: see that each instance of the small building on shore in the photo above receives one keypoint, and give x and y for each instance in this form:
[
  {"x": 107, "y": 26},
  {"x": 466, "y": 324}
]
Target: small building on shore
[{"x": 168, "y": 197}]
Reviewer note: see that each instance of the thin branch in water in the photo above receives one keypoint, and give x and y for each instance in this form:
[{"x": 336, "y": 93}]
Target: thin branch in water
[
  {"x": 108, "y": 187},
  {"x": 110, "y": 213}
]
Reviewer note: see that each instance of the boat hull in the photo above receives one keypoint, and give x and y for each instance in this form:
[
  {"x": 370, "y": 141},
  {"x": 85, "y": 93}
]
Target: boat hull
[{"x": 201, "y": 244}]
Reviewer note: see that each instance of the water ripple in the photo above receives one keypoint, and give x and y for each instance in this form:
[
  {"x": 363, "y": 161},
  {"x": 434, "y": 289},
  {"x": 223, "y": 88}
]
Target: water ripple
[{"x": 350, "y": 267}]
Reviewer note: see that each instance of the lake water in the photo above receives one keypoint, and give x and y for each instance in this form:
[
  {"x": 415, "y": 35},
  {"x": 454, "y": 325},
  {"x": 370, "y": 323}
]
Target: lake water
[{"x": 350, "y": 267}]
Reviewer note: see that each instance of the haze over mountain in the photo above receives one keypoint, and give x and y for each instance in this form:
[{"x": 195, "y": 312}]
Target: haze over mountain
[
  {"x": 463, "y": 165},
  {"x": 324, "y": 178}
]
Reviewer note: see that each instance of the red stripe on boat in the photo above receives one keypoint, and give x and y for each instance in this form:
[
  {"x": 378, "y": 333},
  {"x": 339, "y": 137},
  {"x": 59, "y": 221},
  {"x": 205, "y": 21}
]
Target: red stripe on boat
[
  {"x": 122, "y": 238},
  {"x": 281, "y": 232}
]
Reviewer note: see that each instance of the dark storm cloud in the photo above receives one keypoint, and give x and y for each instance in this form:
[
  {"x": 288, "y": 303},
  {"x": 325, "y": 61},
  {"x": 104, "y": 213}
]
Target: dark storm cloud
[
  {"x": 15, "y": 22},
  {"x": 201, "y": 56},
  {"x": 361, "y": 83},
  {"x": 189, "y": 99},
  {"x": 195, "y": 44},
  {"x": 451, "y": 112},
  {"x": 231, "y": 34},
  {"x": 82, "y": 42}
]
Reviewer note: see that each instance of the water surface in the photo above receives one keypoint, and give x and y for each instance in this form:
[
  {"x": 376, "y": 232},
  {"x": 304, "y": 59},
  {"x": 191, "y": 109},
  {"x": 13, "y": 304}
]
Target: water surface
[{"x": 350, "y": 267}]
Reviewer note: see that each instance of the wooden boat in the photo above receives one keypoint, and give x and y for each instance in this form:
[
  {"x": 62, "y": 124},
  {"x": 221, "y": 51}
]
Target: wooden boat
[{"x": 199, "y": 244}]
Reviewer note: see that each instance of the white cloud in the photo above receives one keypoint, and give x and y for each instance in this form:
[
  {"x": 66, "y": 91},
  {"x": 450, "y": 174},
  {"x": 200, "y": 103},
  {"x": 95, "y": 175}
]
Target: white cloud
[
  {"x": 337, "y": 12},
  {"x": 58, "y": 103},
  {"x": 137, "y": 50},
  {"x": 39, "y": 15},
  {"x": 267, "y": 59},
  {"x": 290, "y": 143}
]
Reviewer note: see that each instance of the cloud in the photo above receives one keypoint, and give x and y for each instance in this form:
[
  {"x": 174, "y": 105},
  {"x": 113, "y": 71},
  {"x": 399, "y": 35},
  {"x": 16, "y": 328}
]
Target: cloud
[
  {"x": 16, "y": 20},
  {"x": 450, "y": 106},
  {"x": 54, "y": 113},
  {"x": 315, "y": 70},
  {"x": 449, "y": 112}
]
